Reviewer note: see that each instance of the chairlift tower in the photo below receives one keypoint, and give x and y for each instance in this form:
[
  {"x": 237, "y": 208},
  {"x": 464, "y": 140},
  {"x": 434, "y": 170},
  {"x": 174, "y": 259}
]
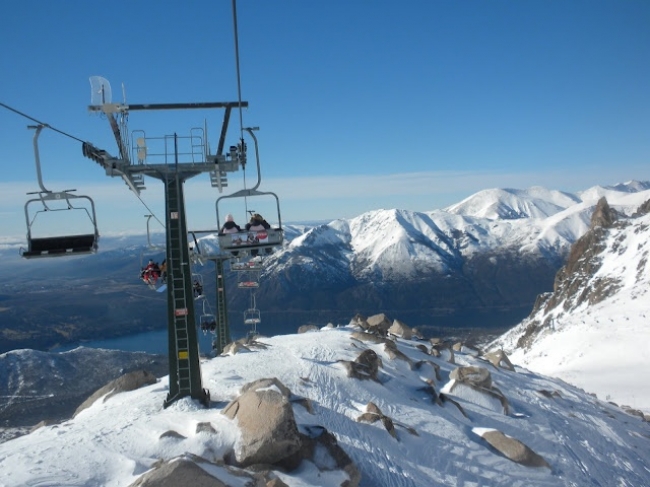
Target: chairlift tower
[{"x": 173, "y": 160}]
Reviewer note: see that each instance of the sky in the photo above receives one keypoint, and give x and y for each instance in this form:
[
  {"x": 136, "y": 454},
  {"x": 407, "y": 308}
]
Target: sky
[
  {"x": 584, "y": 440},
  {"x": 361, "y": 105}
]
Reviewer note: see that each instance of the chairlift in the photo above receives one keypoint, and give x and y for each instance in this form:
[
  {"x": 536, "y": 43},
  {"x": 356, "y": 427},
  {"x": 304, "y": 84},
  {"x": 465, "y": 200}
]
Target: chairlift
[
  {"x": 252, "y": 315},
  {"x": 250, "y": 265},
  {"x": 250, "y": 242},
  {"x": 207, "y": 321},
  {"x": 152, "y": 273},
  {"x": 248, "y": 280},
  {"x": 58, "y": 245},
  {"x": 197, "y": 285}
]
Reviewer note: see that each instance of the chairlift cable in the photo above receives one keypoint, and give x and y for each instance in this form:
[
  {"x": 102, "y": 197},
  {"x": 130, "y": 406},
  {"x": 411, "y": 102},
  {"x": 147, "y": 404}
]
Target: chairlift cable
[
  {"x": 241, "y": 116},
  {"x": 78, "y": 140},
  {"x": 40, "y": 123}
]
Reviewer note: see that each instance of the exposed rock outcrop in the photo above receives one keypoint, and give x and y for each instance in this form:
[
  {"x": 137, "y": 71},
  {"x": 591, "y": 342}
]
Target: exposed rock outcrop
[
  {"x": 466, "y": 382},
  {"x": 179, "y": 471},
  {"x": 127, "y": 382},
  {"x": 512, "y": 448},
  {"x": 266, "y": 420},
  {"x": 365, "y": 367}
]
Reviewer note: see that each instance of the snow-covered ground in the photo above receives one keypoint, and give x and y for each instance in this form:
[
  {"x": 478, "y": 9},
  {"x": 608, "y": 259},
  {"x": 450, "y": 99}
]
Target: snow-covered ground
[
  {"x": 602, "y": 347},
  {"x": 585, "y": 441}
]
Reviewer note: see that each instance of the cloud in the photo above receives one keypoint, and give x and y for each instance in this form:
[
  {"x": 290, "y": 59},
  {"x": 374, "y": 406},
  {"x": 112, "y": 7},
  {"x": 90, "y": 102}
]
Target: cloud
[{"x": 308, "y": 197}]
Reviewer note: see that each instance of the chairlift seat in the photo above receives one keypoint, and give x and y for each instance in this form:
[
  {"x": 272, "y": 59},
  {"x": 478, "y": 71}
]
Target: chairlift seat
[
  {"x": 247, "y": 266},
  {"x": 248, "y": 284},
  {"x": 252, "y": 316},
  {"x": 61, "y": 246},
  {"x": 246, "y": 240}
]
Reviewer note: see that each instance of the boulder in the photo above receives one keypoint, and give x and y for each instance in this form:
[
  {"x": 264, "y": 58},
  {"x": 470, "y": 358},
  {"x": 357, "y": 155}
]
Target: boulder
[
  {"x": 499, "y": 358},
  {"x": 234, "y": 348},
  {"x": 268, "y": 427},
  {"x": 512, "y": 448},
  {"x": 374, "y": 414},
  {"x": 378, "y": 324},
  {"x": 366, "y": 366},
  {"x": 401, "y": 330},
  {"x": 127, "y": 382},
  {"x": 307, "y": 328},
  {"x": 474, "y": 384},
  {"x": 367, "y": 337},
  {"x": 179, "y": 471},
  {"x": 393, "y": 352},
  {"x": 320, "y": 447},
  {"x": 475, "y": 376}
]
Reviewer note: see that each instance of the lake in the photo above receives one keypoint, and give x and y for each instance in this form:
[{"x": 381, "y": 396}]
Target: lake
[{"x": 150, "y": 342}]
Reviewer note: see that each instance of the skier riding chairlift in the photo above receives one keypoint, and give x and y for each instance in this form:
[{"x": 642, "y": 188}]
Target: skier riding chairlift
[{"x": 150, "y": 273}]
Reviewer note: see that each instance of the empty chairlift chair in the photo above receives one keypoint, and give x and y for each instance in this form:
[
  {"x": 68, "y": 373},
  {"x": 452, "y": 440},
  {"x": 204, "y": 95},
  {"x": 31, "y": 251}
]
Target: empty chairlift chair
[{"x": 57, "y": 245}]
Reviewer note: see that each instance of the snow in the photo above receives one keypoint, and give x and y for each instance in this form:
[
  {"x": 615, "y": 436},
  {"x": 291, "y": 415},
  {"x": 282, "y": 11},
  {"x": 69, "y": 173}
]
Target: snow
[
  {"x": 397, "y": 244},
  {"x": 602, "y": 347},
  {"x": 113, "y": 442}
]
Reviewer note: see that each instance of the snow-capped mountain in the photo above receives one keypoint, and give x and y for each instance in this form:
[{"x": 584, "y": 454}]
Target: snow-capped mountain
[
  {"x": 599, "y": 310},
  {"x": 415, "y": 419},
  {"x": 495, "y": 250}
]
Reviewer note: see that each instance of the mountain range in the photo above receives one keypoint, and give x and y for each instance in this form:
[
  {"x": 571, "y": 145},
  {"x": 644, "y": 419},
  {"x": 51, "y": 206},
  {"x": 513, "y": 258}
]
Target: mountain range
[
  {"x": 479, "y": 264},
  {"x": 403, "y": 410}
]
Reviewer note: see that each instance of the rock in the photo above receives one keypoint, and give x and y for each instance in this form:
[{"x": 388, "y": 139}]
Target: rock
[
  {"x": 457, "y": 347},
  {"x": 127, "y": 382},
  {"x": 179, "y": 471},
  {"x": 393, "y": 352},
  {"x": 374, "y": 414},
  {"x": 268, "y": 427},
  {"x": 500, "y": 359},
  {"x": 512, "y": 448},
  {"x": 378, "y": 324},
  {"x": 475, "y": 376},
  {"x": 45, "y": 422},
  {"x": 307, "y": 328},
  {"x": 234, "y": 348},
  {"x": 321, "y": 448},
  {"x": 467, "y": 381},
  {"x": 172, "y": 434},
  {"x": 401, "y": 330},
  {"x": 366, "y": 366},
  {"x": 205, "y": 427},
  {"x": 367, "y": 337}
]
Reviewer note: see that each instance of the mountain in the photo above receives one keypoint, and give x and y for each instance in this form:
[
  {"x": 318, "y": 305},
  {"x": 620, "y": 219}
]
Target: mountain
[
  {"x": 598, "y": 310},
  {"x": 401, "y": 416},
  {"x": 477, "y": 267},
  {"x": 38, "y": 385},
  {"x": 481, "y": 262}
]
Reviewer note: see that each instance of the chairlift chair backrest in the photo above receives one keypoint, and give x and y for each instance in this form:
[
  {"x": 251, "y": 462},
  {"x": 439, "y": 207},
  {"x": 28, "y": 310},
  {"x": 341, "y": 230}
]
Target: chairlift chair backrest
[
  {"x": 59, "y": 245},
  {"x": 248, "y": 240}
]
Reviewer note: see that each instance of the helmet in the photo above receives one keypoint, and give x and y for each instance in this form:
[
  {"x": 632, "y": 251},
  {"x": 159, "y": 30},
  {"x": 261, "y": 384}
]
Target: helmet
[{"x": 229, "y": 218}]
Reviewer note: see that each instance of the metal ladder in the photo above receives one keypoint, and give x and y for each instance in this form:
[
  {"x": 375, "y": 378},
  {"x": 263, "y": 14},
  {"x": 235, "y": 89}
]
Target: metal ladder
[
  {"x": 223, "y": 330},
  {"x": 185, "y": 371}
]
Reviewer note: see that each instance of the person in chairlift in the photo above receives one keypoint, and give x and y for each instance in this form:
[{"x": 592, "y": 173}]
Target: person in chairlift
[
  {"x": 230, "y": 226},
  {"x": 257, "y": 223}
]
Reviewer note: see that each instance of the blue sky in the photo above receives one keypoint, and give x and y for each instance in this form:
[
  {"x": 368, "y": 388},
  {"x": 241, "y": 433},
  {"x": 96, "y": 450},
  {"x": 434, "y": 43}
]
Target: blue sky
[{"x": 361, "y": 104}]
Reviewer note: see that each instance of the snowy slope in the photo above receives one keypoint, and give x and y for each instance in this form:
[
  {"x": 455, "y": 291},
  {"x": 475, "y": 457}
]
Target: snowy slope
[
  {"x": 584, "y": 440},
  {"x": 600, "y": 344}
]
